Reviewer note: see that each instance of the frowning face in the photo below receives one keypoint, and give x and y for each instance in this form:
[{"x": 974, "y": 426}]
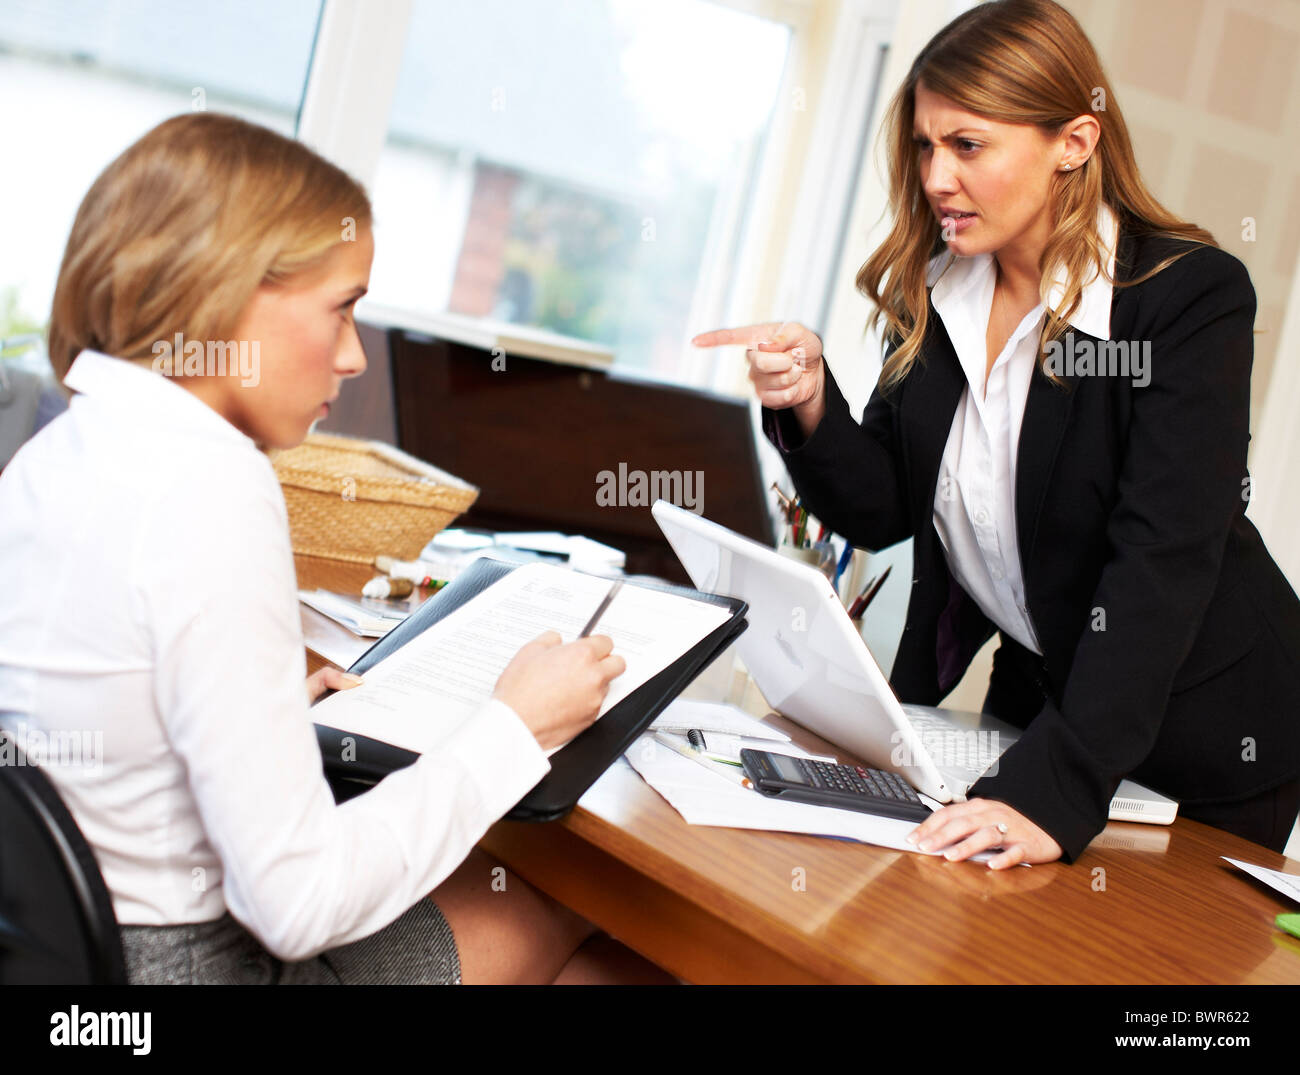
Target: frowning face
[{"x": 988, "y": 183}]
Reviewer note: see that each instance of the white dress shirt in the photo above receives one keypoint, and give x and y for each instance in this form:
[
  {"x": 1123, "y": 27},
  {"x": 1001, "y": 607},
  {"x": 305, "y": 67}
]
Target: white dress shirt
[
  {"x": 150, "y": 608},
  {"x": 975, "y": 498}
]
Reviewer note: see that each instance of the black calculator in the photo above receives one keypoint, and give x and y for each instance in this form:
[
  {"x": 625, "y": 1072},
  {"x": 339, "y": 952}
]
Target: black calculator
[{"x": 850, "y": 787}]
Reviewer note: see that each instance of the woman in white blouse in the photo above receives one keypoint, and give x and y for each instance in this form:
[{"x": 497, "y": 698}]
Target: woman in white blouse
[
  {"x": 150, "y": 601},
  {"x": 1060, "y": 424}
]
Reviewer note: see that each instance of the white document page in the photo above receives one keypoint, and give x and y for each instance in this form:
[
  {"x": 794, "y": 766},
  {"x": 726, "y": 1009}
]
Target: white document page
[
  {"x": 417, "y": 696},
  {"x": 686, "y": 713},
  {"x": 704, "y": 798},
  {"x": 1286, "y": 883}
]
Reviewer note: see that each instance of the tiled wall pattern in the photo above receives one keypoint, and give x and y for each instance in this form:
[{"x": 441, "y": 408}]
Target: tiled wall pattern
[{"x": 1211, "y": 93}]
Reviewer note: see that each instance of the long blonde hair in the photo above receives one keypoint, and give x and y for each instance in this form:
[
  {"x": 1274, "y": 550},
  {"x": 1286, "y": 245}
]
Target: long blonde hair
[
  {"x": 177, "y": 234},
  {"x": 1023, "y": 62}
]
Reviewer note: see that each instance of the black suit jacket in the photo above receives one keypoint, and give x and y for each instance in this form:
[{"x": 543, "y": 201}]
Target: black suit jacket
[{"x": 1130, "y": 514}]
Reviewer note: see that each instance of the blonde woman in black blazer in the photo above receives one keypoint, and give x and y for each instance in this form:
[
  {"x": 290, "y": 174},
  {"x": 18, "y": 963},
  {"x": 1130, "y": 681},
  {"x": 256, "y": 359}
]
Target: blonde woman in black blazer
[{"x": 1170, "y": 641}]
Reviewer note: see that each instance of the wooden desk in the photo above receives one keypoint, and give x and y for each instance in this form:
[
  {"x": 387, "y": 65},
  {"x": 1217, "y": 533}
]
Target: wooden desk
[{"x": 718, "y": 905}]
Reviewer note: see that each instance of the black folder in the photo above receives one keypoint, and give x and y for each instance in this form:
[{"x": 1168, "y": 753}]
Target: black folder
[{"x": 575, "y": 767}]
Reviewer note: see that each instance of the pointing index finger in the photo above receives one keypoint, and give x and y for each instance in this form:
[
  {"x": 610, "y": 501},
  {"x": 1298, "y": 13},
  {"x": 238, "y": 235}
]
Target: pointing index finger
[{"x": 747, "y": 335}]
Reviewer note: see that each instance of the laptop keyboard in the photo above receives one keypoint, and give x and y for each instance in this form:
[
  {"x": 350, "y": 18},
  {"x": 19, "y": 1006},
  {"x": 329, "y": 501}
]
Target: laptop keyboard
[{"x": 953, "y": 749}]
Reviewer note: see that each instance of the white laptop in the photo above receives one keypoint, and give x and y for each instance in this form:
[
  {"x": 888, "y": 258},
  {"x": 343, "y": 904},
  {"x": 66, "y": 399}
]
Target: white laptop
[{"x": 811, "y": 664}]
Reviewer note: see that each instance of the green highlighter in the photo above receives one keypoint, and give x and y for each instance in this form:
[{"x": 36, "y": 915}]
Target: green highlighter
[{"x": 1288, "y": 922}]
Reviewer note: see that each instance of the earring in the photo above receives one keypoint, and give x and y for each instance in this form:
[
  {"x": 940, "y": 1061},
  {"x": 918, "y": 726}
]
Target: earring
[{"x": 1067, "y": 167}]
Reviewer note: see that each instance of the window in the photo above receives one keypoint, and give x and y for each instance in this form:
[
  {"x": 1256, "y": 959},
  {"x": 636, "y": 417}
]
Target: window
[
  {"x": 80, "y": 80},
  {"x": 578, "y": 167}
]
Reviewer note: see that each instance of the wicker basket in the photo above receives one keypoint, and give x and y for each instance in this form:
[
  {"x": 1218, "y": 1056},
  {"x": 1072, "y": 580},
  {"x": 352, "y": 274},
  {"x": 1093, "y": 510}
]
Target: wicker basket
[{"x": 353, "y": 500}]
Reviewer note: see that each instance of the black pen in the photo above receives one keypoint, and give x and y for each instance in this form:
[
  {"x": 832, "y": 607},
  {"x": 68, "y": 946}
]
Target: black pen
[{"x": 600, "y": 609}]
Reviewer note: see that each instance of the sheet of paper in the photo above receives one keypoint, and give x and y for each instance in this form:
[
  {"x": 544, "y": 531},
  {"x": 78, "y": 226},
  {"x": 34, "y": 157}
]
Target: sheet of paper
[
  {"x": 366, "y": 617},
  {"x": 417, "y": 696},
  {"x": 704, "y": 798},
  {"x": 1286, "y": 883},
  {"x": 687, "y": 713}
]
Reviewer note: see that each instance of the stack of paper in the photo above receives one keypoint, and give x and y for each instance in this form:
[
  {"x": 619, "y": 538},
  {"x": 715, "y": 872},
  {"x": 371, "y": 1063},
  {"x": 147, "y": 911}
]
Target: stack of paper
[
  {"x": 367, "y": 617},
  {"x": 457, "y": 546},
  {"x": 705, "y": 798},
  {"x": 417, "y": 696}
]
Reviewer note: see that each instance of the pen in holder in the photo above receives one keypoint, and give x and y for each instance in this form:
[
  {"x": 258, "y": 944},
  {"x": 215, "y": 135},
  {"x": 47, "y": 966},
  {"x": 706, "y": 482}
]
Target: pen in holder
[
  {"x": 796, "y": 541},
  {"x": 820, "y": 554}
]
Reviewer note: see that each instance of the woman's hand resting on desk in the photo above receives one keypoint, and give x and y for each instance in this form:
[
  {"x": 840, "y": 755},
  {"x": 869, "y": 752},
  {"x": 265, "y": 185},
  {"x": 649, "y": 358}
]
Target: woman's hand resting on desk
[
  {"x": 785, "y": 366},
  {"x": 973, "y": 826},
  {"x": 557, "y": 690}
]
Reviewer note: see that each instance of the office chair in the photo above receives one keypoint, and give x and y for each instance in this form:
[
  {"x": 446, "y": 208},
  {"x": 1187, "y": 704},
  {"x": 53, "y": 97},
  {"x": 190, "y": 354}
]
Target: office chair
[{"x": 56, "y": 918}]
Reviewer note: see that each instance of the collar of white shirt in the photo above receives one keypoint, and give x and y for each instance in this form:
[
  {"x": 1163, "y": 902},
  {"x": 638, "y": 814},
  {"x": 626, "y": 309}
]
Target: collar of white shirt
[
  {"x": 955, "y": 280},
  {"x": 131, "y": 389}
]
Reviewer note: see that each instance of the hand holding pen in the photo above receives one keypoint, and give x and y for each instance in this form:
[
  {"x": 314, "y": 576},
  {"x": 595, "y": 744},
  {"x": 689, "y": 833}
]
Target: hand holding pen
[{"x": 557, "y": 688}]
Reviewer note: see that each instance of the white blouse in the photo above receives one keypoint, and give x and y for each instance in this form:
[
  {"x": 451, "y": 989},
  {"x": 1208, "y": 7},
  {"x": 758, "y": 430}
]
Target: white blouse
[
  {"x": 151, "y": 620},
  {"x": 975, "y": 498}
]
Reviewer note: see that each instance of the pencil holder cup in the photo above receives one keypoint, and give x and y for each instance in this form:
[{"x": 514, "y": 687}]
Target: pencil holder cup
[{"x": 820, "y": 555}]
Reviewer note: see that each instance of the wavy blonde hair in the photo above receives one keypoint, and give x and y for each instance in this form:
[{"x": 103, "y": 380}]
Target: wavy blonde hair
[
  {"x": 177, "y": 234},
  {"x": 1023, "y": 62}
]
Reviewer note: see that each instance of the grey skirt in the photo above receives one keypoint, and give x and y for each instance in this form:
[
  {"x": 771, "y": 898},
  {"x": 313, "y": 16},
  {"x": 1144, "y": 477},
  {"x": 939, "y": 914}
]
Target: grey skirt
[{"x": 416, "y": 949}]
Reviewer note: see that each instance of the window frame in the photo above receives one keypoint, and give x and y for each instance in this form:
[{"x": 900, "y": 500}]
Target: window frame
[{"x": 769, "y": 258}]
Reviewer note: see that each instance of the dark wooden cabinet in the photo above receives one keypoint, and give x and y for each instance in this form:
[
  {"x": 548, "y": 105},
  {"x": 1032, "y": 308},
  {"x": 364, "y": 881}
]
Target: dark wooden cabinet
[{"x": 561, "y": 447}]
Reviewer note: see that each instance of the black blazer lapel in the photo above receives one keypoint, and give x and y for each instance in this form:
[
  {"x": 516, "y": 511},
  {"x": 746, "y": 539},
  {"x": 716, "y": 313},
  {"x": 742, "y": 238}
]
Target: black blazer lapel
[
  {"x": 933, "y": 388},
  {"x": 1047, "y": 413},
  {"x": 930, "y": 394}
]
